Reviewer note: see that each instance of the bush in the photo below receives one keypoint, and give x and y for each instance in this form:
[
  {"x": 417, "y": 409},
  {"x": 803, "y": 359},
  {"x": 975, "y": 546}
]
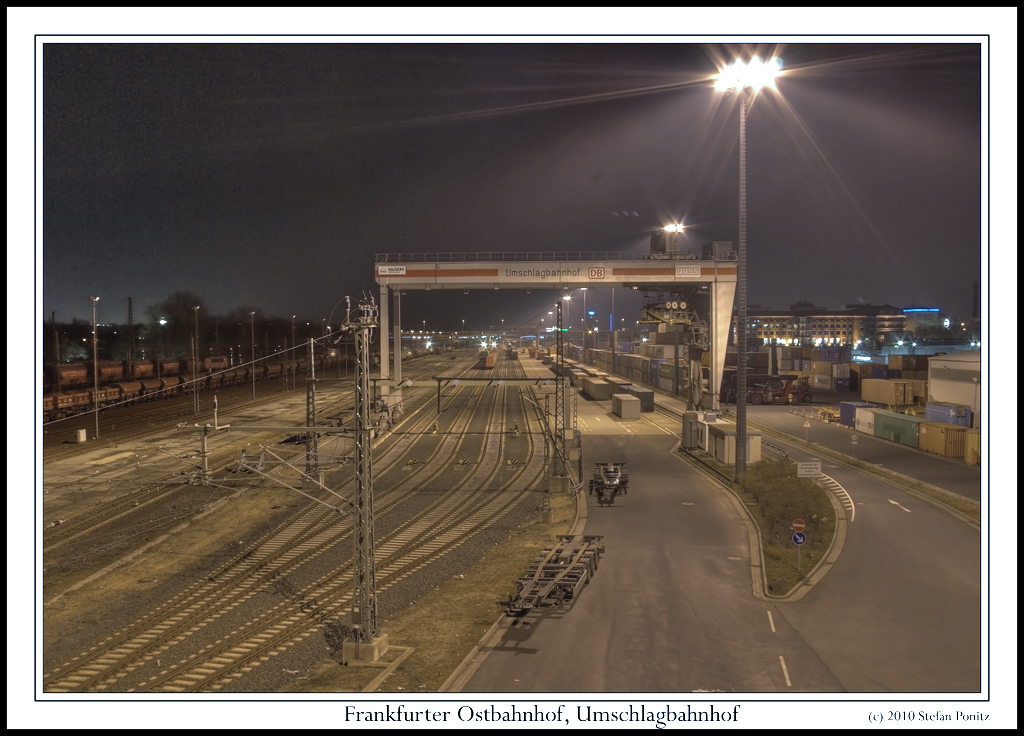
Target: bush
[{"x": 780, "y": 497}]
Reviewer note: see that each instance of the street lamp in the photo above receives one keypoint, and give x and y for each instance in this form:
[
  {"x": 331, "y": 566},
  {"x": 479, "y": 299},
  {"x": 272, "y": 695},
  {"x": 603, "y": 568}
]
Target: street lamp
[
  {"x": 740, "y": 77},
  {"x": 95, "y": 367}
]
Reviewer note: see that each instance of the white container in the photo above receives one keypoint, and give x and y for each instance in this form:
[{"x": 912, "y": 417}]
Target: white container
[
  {"x": 626, "y": 406},
  {"x": 864, "y": 420}
]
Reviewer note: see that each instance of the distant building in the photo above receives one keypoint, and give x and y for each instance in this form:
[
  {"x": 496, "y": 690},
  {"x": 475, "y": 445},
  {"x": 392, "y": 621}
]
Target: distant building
[{"x": 804, "y": 324}]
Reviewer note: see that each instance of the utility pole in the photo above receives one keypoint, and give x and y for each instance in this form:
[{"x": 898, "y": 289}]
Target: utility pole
[
  {"x": 95, "y": 367},
  {"x": 195, "y": 363},
  {"x": 364, "y": 583},
  {"x": 252, "y": 334},
  {"x": 312, "y": 438},
  {"x": 130, "y": 373},
  {"x": 561, "y": 469}
]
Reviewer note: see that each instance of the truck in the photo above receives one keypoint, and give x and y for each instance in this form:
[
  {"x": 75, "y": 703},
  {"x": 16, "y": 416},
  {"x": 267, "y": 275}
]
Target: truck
[
  {"x": 780, "y": 390},
  {"x": 609, "y": 480}
]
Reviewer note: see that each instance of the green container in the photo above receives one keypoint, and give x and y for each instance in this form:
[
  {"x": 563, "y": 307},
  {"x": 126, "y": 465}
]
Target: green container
[{"x": 900, "y": 428}]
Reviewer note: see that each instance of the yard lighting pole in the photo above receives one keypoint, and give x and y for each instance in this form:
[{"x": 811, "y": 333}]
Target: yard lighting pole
[
  {"x": 741, "y": 77},
  {"x": 252, "y": 334},
  {"x": 583, "y": 357},
  {"x": 195, "y": 365},
  {"x": 95, "y": 367}
]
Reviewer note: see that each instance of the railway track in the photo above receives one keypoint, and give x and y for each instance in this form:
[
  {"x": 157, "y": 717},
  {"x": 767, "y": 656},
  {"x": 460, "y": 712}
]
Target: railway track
[
  {"x": 464, "y": 509},
  {"x": 158, "y": 481}
]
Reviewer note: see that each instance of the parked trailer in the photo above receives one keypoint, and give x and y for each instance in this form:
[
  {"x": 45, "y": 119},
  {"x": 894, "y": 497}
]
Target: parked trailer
[{"x": 557, "y": 575}]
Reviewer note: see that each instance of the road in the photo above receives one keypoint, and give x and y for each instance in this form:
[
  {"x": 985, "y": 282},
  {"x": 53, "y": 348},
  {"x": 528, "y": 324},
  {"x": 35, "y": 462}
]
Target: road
[
  {"x": 671, "y": 607},
  {"x": 951, "y": 474}
]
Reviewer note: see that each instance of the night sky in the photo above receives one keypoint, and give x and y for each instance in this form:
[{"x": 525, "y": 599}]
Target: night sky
[{"x": 268, "y": 175}]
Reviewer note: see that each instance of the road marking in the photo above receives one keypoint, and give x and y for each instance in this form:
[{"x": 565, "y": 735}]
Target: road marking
[
  {"x": 841, "y": 494},
  {"x": 687, "y": 503},
  {"x": 785, "y": 671},
  {"x": 896, "y": 504},
  {"x": 772, "y": 622}
]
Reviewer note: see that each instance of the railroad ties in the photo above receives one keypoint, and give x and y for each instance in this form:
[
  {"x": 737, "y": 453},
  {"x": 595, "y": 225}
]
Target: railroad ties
[{"x": 557, "y": 574}]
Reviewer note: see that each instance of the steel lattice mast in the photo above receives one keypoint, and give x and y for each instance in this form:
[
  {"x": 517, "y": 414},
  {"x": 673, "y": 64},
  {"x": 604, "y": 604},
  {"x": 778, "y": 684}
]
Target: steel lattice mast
[
  {"x": 364, "y": 594},
  {"x": 312, "y": 438},
  {"x": 560, "y": 464}
]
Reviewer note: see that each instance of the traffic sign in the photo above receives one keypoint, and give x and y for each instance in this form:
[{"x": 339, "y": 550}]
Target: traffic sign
[
  {"x": 853, "y": 439},
  {"x": 799, "y": 538},
  {"x": 807, "y": 425},
  {"x": 799, "y": 525}
]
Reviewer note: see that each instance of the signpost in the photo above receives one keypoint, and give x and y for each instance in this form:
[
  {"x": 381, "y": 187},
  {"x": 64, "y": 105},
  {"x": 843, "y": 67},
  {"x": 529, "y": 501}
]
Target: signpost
[
  {"x": 808, "y": 470},
  {"x": 798, "y": 539},
  {"x": 807, "y": 427},
  {"x": 853, "y": 444}
]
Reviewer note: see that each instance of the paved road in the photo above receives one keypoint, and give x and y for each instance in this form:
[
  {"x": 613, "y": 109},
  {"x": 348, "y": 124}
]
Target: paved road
[
  {"x": 671, "y": 609},
  {"x": 900, "y": 609},
  {"x": 949, "y": 473}
]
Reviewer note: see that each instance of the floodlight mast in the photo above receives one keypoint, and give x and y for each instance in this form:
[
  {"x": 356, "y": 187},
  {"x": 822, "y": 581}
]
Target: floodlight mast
[{"x": 740, "y": 77}]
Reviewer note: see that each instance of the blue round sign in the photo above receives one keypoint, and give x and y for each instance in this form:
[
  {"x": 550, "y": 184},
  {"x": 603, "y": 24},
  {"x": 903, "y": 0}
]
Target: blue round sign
[{"x": 799, "y": 538}]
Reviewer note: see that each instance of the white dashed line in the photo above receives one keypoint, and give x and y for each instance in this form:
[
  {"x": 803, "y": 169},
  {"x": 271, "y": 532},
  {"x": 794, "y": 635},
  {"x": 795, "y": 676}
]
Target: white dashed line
[
  {"x": 772, "y": 622},
  {"x": 782, "y": 661}
]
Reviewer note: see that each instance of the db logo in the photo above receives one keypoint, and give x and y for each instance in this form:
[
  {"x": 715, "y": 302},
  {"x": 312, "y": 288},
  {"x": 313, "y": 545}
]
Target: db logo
[{"x": 597, "y": 273}]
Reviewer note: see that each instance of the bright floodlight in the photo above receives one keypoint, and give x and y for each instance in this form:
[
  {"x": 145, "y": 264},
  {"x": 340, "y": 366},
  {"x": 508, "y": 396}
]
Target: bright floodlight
[
  {"x": 754, "y": 74},
  {"x": 674, "y": 228}
]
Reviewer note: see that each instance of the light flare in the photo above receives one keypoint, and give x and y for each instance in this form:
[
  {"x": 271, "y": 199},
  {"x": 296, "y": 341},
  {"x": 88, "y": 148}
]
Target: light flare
[{"x": 754, "y": 74}]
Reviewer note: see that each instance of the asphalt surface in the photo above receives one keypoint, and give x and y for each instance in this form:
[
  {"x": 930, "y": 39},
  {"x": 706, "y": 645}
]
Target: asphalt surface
[
  {"x": 671, "y": 607},
  {"x": 951, "y": 474}
]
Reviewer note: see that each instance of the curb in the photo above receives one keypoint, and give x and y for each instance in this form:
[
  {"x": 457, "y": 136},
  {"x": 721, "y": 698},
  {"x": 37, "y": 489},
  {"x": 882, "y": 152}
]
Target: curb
[
  {"x": 478, "y": 654},
  {"x": 758, "y": 577}
]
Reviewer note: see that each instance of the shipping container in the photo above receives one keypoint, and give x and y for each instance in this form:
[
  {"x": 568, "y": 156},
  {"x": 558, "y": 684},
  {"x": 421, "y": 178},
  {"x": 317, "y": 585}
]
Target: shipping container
[
  {"x": 848, "y": 412},
  {"x": 898, "y": 427},
  {"x": 864, "y": 420},
  {"x": 821, "y": 368},
  {"x": 820, "y": 381},
  {"x": 626, "y": 406},
  {"x": 948, "y": 413},
  {"x": 597, "y": 389},
  {"x": 890, "y": 393},
  {"x": 840, "y": 370},
  {"x": 620, "y": 384},
  {"x": 972, "y": 447},
  {"x": 841, "y": 384},
  {"x": 645, "y": 395},
  {"x": 879, "y": 371},
  {"x": 942, "y": 439}
]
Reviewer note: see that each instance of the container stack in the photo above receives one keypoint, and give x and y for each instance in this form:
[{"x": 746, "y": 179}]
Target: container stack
[
  {"x": 626, "y": 406},
  {"x": 597, "y": 389}
]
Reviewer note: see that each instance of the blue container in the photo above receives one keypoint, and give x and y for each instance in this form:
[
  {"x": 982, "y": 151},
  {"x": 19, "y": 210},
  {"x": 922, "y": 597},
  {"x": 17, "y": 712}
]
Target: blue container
[
  {"x": 893, "y": 374},
  {"x": 848, "y": 412},
  {"x": 840, "y": 384},
  {"x": 879, "y": 371},
  {"x": 949, "y": 414}
]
